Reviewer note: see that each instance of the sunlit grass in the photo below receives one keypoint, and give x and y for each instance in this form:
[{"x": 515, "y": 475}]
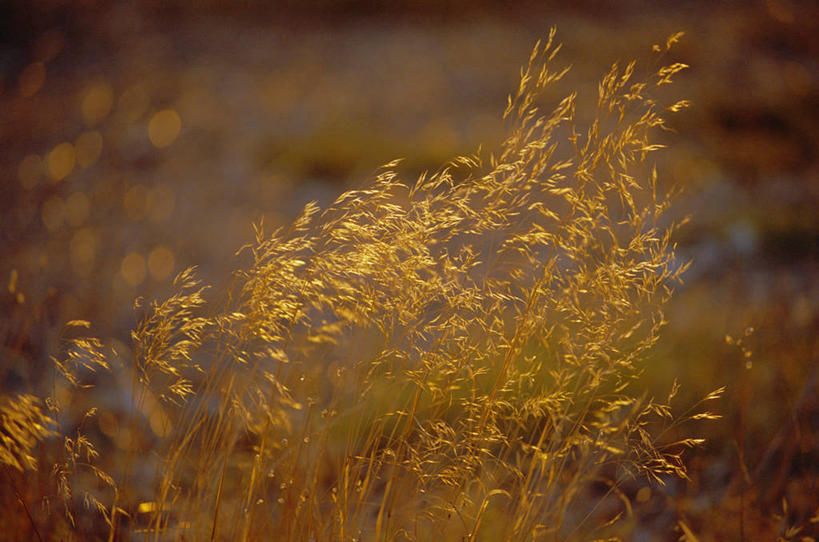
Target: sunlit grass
[{"x": 456, "y": 356}]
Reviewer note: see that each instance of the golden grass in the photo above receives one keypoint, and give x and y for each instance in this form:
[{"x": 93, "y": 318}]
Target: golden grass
[{"x": 453, "y": 358}]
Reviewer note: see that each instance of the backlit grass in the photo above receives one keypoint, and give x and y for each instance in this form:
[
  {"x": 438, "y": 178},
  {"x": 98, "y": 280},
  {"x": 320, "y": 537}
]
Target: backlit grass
[{"x": 455, "y": 356}]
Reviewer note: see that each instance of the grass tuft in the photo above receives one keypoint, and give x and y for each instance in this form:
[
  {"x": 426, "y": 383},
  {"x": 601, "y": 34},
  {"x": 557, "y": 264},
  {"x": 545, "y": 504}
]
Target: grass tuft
[{"x": 454, "y": 357}]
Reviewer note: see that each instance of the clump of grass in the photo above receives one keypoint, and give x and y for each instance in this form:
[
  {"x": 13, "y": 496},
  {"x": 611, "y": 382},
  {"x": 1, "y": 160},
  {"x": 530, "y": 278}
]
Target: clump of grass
[{"x": 453, "y": 357}]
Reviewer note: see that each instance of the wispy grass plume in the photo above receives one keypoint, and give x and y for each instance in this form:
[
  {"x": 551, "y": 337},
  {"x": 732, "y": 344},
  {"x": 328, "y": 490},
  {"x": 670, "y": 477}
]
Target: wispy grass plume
[{"x": 452, "y": 357}]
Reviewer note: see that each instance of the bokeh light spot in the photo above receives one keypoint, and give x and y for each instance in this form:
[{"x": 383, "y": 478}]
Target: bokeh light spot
[
  {"x": 88, "y": 148},
  {"x": 97, "y": 100},
  {"x": 164, "y": 128},
  {"x": 83, "y": 251},
  {"x": 77, "y": 208},
  {"x": 132, "y": 269},
  {"x": 53, "y": 213},
  {"x": 29, "y": 171},
  {"x": 135, "y": 202},
  {"x": 32, "y": 79},
  {"x": 643, "y": 494},
  {"x": 160, "y": 203},
  {"x": 13, "y": 281},
  {"x": 160, "y": 422},
  {"x": 132, "y": 105},
  {"x": 61, "y": 161},
  {"x": 109, "y": 425},
  {"x": 160, "y": 263},
  {"x": 49, "y": 44}
]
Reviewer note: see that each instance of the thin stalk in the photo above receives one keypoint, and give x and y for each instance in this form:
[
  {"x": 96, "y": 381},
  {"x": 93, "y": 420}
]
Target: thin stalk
[{"x": 22, "y": 502}]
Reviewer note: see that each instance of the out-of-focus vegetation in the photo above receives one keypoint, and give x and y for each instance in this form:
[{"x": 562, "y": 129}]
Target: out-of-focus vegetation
[{"x": 140, "y": 140}]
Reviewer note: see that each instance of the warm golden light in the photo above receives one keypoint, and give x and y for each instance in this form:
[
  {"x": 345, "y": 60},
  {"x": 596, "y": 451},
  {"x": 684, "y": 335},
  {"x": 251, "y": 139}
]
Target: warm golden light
[
  {"x": 164, "y": 128},
  {"x": 97, "y": 100},
  {"x": 160, "y": 263},
  {"x": 83, "y": 252},
  {"x": 88, "y": 148},
  {"x": 77, "y": 208},
  {"x": 53, "y": 213},
  {"x": 32, "y": 79},
  {"x": 160, "y": 203},
  {"x": 61, "y": 161},
  {"x": 108, "y": 423},
  {"x": 134, "y": 202},
  {"x": 29, "y": 171},
  {"x": 159, "y": 422},
  {"x": 132, "y": 269},
  {"x": 132, "y": 104},
  {"x": 13, "y": 281},
  {"x": 643, "y": 494},
  {"x": 429, "y": 284}
]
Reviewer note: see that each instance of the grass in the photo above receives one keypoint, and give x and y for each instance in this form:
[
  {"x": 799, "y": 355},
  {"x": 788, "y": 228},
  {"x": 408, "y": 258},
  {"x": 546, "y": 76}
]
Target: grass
[{"x": 455, "y": 357}]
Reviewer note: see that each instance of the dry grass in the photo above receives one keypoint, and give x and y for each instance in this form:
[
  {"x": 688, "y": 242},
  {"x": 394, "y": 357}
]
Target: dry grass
[{"x": 455, "y": 357}]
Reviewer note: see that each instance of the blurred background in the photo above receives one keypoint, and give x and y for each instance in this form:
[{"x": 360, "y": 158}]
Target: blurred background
[{"x": 137, "y": 139}]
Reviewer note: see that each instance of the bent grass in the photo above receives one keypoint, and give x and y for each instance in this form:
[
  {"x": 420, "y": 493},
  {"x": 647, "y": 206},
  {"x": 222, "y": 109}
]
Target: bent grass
[{"x": 456, "y": 357}]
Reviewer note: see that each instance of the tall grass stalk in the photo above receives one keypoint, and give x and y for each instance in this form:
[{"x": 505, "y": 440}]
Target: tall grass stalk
[{"x": 454, "y": 357}]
